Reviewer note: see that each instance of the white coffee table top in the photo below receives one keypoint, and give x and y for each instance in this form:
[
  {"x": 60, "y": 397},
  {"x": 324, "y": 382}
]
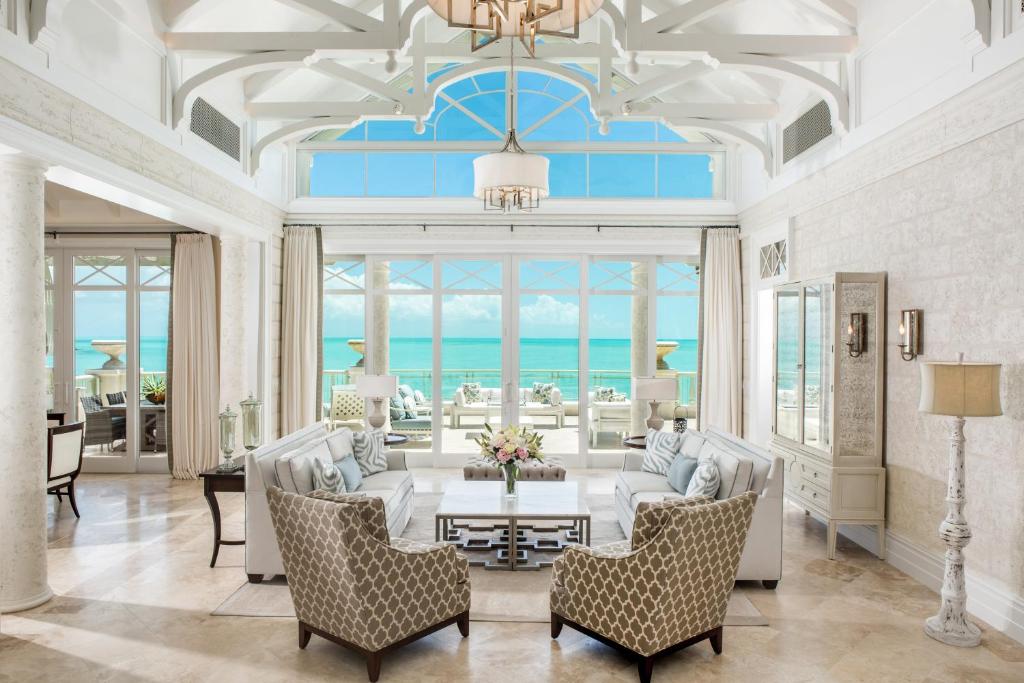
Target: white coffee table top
[{"x": 536, "y": 499}]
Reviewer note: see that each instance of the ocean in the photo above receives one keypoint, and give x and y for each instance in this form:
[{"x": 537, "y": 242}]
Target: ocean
[{"x": 479, "y": 360}]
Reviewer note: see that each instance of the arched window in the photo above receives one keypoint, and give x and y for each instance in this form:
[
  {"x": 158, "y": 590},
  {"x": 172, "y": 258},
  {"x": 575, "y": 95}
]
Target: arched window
[{"x": 387, "y": 158}]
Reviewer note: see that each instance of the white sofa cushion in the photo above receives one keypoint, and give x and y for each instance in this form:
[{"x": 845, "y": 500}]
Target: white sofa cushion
[
  {"x": 340, "y": 443},
  {"x": 295, "y": 468},
  {"x": 692, "y": 443},
  {"x": 734, "y": 470},
  {"x": 630, "y": 482}
]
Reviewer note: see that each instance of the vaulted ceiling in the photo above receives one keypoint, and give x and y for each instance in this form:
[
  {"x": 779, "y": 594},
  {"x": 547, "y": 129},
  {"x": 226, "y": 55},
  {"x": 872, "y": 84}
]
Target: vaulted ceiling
[{"x": 726, "y": 68}]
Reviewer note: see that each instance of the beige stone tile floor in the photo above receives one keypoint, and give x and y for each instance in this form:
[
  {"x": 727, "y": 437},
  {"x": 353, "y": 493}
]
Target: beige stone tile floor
[{"x": 134, "y": 595}]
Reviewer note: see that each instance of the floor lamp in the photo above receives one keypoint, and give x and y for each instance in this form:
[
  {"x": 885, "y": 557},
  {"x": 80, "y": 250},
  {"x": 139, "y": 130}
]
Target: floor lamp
[{"x": 960, "y": 390}]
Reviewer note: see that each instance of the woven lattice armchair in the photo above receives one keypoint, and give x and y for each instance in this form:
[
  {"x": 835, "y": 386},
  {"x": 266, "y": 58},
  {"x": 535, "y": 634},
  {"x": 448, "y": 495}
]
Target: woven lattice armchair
[
  {"x": 354, "y": 586},
  {"x": 664, "y": 590}
]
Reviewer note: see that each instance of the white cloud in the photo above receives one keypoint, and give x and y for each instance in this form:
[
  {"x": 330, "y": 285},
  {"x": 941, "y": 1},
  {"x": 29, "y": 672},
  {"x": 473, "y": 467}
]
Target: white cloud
[{"x": 549, "y": 311}]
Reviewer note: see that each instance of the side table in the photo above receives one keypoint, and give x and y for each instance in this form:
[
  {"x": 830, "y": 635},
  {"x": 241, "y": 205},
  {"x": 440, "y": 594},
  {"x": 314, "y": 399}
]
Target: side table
[
  {"x": 215, "y": 482},
  {"x": 638, "y": 442}
]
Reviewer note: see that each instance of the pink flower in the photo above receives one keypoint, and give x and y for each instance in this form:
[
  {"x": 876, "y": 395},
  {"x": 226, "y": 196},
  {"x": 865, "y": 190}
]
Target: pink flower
[
  {"x": 503, "y": 457},
  {"x": 521, "y": 452}
]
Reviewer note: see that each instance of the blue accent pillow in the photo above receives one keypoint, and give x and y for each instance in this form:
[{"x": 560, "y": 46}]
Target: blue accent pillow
[
  {"x": 680, "y": 472},
  {"x": 350, "y": 472}
]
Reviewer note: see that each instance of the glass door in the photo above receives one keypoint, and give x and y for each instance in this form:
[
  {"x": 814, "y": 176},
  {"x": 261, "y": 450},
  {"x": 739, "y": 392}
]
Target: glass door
[
  {"x": 154, "y": 298},
  {"x": 548, "y": 307},
  {"x": 788, "y": 364}
]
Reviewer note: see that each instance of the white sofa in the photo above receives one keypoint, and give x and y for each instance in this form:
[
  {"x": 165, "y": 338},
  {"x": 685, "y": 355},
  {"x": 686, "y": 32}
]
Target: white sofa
[
  {"x": 262, "y": 556},
  {"x": 490, "y": 405},
  {"x": 743, "y": 467}
]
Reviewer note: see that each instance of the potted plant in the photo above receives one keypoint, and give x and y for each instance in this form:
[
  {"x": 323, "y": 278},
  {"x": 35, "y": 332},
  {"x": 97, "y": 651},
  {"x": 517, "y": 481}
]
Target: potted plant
[
  {"x": 154, "y": 388},
  {"x": 508, "y": 449}
]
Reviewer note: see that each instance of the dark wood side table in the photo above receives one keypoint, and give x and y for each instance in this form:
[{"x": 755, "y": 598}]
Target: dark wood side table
[
  {"x": 215, "y": 482},
  {"x": 392, "y": 440},
  {"x": 638, "y": 442}
]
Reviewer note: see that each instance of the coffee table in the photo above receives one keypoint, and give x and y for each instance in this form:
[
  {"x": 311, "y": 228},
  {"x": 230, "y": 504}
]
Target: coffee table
[{"x": 550, "y": 501}]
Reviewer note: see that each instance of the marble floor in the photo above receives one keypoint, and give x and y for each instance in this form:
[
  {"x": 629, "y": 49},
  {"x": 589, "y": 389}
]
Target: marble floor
[{"x": 135, "y": 594}]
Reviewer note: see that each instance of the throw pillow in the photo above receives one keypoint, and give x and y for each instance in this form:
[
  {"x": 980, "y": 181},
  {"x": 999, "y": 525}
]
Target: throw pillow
[
  {"x": 350, "y": 472},
  {"x": 680, "y": 472},
  {"x": 405, "y": 391},
  {"x": 661, "y": 448},
  {"x": 295, "y": 468},
  {"x": 421, "y": 400},
  {"x": 339, "y": 442},
  {"x": 409, "y": 403},
  {"x": 397, "y": 408},
  {"x": 604, "y": 394},
  {"x": 369, "y": 452},
  {"x": 692, "y": 443},
  {"x": 327, "y": 477},
  {"x": 618, "y": 398},
  {"x": 471, "y": 392},
  {"x": 542, "y": 392},
  {"x": 705, "y": 479}
]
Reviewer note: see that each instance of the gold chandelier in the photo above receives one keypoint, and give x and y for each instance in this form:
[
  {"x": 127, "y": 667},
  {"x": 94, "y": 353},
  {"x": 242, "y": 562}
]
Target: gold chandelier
[{"x": 491, "y": 20}]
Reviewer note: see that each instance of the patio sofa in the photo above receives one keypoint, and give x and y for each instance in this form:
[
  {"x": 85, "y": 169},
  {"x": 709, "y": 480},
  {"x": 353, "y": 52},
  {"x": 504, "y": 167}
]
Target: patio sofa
[
  {"x": 742, "y": 467},
  {"x": 262, "y": 555},
  {"x": 490, "y": 405}
]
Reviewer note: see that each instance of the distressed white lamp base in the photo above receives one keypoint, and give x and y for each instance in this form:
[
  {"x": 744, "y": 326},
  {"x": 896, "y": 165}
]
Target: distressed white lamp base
[{"x": 951, "y": 625}]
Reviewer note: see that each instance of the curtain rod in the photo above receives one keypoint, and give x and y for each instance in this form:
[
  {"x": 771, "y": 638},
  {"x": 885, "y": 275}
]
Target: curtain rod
[
  {"x": 117, "y": 233},
  {"x": 510, "y": 226}
]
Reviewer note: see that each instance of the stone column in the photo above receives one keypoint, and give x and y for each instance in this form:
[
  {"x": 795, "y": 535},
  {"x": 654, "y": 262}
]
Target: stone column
[
  {"x": 379, "y": 363},
  {"x": 236, "y": 327},
  {"x": 638, "y": 346},
  {"x": 23, "y": 582}
]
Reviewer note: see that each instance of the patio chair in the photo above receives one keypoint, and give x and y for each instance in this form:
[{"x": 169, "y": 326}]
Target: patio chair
[
  {"x": 64, "y": 446},
  {"x": 102, "y": 427},
  {"x": 347, "y": 409},
  {"x": 609, "y": 416},
  {"x": 664, "y": 591},
  {"x": 354, "y": 586}
]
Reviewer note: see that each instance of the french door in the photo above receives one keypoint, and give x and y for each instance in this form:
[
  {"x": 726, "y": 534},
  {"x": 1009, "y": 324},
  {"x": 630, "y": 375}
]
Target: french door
[{"x": 107, "y": 313}]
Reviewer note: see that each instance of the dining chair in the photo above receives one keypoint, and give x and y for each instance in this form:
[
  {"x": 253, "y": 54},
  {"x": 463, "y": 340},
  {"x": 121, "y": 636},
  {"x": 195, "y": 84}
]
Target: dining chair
[{"x": 64, "y": 446}]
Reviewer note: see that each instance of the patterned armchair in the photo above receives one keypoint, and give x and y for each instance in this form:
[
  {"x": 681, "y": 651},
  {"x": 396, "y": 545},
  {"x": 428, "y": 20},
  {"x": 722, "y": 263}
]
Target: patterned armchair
[
  {"x": 354, "y": 586},
  {"x": 666, "y": 589}
]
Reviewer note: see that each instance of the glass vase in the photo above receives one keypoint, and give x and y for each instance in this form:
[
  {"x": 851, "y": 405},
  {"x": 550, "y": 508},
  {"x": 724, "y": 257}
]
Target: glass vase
[{"x": 511, "y": 480}]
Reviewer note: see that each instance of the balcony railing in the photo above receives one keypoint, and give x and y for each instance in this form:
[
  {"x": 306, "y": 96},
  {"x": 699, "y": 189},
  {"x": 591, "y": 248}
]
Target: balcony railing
[{"x": 566, "y": 380}]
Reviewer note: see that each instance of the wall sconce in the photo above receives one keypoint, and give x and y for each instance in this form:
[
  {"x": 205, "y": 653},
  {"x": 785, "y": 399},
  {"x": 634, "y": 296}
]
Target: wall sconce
[
  {"x": 857, "y": 333},
  {"x": 910, "y": 333}
]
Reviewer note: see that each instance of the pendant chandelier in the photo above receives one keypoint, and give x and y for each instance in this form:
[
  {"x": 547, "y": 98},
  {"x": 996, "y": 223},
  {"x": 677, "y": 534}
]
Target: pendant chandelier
[
  {"x": 511, "y": 179},
  {"x": 491, "y": 20}
]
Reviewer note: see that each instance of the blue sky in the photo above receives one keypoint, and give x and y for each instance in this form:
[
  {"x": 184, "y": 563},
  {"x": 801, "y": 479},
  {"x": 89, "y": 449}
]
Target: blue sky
[{"x": 101, "y": 314}]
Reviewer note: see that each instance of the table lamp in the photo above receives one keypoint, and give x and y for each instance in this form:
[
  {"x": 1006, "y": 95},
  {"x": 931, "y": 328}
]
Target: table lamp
[
  {"x": 376, "y": 388},
  {"x": 655, "y": 390},
  {"x": 960, "y": 390}
]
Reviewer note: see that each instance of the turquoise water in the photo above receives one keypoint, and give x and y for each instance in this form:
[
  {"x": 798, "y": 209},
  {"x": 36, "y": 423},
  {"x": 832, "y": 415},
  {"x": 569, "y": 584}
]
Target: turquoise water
[
  {"x": 479, "y": 360},
  {"x": 152, "y": 355}
]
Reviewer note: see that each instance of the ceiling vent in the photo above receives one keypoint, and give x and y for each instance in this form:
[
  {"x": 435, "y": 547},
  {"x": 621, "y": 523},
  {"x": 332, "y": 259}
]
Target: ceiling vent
[
  {"x": 812, "y": 127},
  {"x": 215, "y": 128}
]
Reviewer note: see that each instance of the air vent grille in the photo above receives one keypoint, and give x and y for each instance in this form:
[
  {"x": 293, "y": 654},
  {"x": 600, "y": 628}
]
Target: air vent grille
[
  {"x": 215, "y": 128},
  {"x": 811, "y": 128}
]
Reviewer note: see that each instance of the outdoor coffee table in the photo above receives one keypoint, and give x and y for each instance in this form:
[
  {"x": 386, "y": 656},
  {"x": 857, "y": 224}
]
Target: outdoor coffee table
[{"x": 545, "y": 501}]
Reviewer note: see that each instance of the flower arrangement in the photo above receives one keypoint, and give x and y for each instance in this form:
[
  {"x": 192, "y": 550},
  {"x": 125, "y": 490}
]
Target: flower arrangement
[{"x": 508, "y": 449}]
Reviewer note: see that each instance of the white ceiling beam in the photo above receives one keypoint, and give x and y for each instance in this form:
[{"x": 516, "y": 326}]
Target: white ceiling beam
[
  {"x": 337, "y": 13},
  {"x": 840, "y": 10},
  {"x": 291, "y": 131},
  {"x": 177, "y": 12},
  {"x": 798, "y": 46},
  {"x": 247, "y": 64},
  {"x": 280, "y": 111},
  {"x": 812, "y": 10},
  {"x": 655, "y": 86},
  {"x": 691, "y": 13},
  {"x": 723, "y": 111},
  {"x": 729, "y": 132},
  {"x": 357, "y": 77},
  {"x": 231, "y": 41},
  {"x": 258, "y": 84}
]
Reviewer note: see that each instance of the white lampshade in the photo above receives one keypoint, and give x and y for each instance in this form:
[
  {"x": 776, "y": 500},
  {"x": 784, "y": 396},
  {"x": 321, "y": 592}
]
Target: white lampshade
[
  {"x": 510, "y": 170},
  {"x": 654, "y": 388},
  {"x": 960, "y": 389},
  {"x": 376, "y": 386},
  {"x": 460, "y": 13}
]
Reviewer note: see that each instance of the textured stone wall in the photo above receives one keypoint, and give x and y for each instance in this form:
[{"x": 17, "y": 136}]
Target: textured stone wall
[{"x": 938, "y": 205}]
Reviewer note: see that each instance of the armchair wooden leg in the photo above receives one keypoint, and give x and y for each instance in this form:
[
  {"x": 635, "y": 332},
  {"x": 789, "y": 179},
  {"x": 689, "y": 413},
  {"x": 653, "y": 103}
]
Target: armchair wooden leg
[
  {"x": 645, "y": 667},
  {"x": 770, "y": 584},
  {"x": 716, "y": 640},
  {"x": 556, "y": 625},
  {"x": 304, "y": 635},
  {"x": 373, "y": 666},
  {"x": 463, "y": 622},
  {"x": 255, "y": 578},
  {"x": 71, "y": 497}
]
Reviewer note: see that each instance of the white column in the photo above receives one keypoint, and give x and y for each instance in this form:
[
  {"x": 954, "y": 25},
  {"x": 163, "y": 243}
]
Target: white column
[
  {"x": 237, "y": 327},
  {"x": 23, "y": 402},
  {"x": 638, "y": 346}
]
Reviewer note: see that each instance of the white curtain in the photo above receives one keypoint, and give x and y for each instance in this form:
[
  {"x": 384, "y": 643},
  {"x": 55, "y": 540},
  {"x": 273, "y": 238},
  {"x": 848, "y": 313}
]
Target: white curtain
[
  {"x": 300, "y": 322},
  {"x": 194, "y": 360},
  {"x": 722, "y": 370}
]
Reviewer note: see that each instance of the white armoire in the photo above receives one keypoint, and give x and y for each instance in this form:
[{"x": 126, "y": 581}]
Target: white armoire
[{"x": 829, "y": 392}]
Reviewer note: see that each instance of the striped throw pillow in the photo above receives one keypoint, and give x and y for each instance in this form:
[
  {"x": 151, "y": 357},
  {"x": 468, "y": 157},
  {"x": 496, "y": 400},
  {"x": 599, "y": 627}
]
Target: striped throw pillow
[
  {"x": 369, "y": 452},
  {"x": 661, "y": 448},
  {"x": 706, "y": 479}
]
